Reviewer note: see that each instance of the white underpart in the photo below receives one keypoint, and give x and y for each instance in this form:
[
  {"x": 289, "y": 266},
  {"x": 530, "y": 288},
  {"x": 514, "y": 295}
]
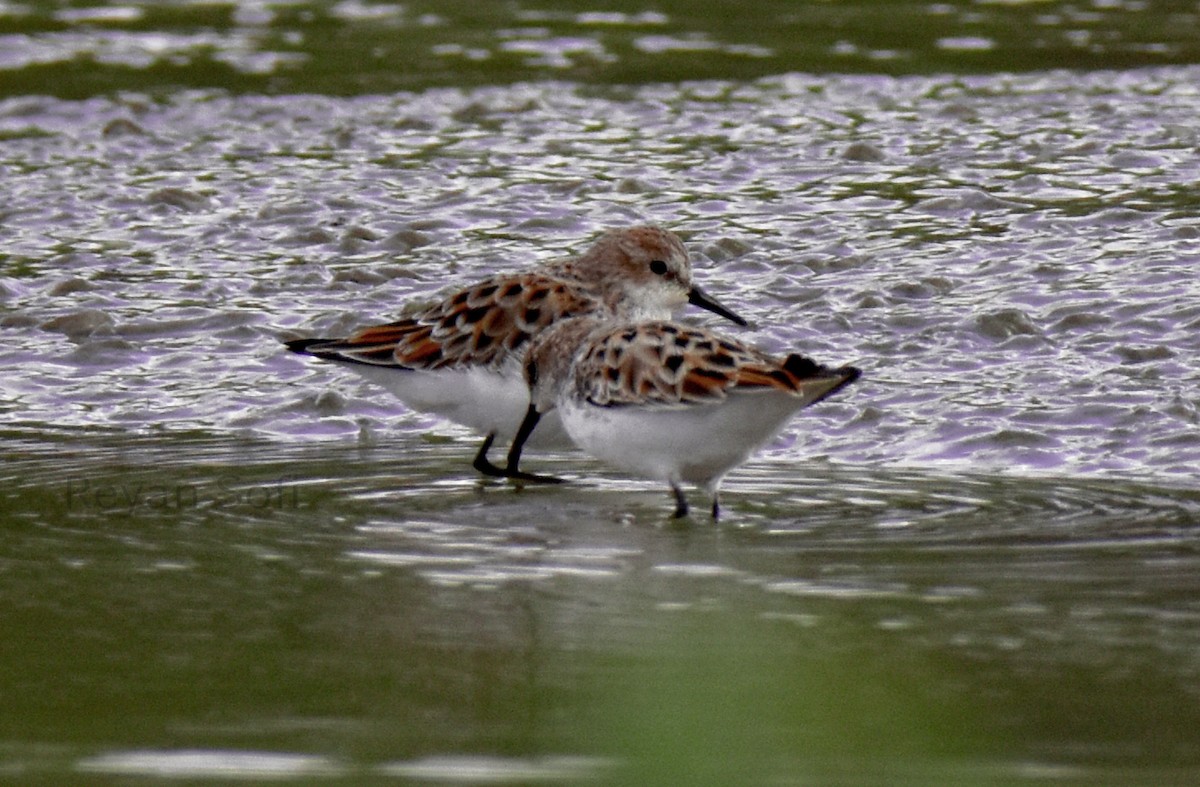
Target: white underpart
[
  {"x": 696, "y": 443},
  {"x": 653, "y": 300},
  {"x": 484, "y": 400}
]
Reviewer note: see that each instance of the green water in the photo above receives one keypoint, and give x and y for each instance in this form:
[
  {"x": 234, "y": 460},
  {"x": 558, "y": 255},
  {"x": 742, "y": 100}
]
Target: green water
[
  {"x": 217, "y": 565},
  {"x": 348, "y": 48},
  {"x": 385, "y": 615}
]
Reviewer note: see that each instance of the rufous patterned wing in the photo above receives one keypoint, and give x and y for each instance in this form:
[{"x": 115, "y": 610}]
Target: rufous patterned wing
[
  {"x": 481, "y": 326},
  {"x": 662, "y": 363}
]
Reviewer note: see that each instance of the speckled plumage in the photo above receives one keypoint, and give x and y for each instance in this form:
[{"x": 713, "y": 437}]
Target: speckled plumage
[
  {"x": 461, "y": 358},
  {"x": 668, "y": 401},
  {"x": 666, "y": 364},
  {"x": 483, "y": 326}
]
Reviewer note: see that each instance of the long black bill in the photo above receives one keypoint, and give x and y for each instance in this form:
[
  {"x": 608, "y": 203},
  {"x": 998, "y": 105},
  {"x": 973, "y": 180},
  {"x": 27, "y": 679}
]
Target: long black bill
[{"x": 698, "y": 297}]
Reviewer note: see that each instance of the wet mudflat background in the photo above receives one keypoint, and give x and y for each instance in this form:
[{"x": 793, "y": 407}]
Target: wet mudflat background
[{"x": 978, "y": 566}]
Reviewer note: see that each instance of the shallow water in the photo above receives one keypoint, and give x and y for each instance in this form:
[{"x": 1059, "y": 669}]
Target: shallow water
[
  {"x": 222, "y": 562},
  {"x": 218, "y": 609}
]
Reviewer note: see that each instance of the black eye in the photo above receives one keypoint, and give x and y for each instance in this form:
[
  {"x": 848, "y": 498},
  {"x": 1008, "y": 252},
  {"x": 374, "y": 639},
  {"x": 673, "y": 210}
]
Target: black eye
[{"x": 658, "y": 267}]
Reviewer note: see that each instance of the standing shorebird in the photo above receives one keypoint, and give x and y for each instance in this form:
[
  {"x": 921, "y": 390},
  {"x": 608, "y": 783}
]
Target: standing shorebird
[
  {"x": 667, "y": 401},
  {"x": 462, "y": 358}
]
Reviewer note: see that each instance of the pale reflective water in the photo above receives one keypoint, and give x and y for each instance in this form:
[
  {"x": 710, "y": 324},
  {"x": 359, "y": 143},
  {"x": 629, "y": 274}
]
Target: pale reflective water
[
  {"x": 1010, "y": 259},
  {"x": 221, "y": 562}
]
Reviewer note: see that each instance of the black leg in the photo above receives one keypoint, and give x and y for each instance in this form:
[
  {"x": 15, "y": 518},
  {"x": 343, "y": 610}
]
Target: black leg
[
  {"x": 482, "y": 464},
  {"x": 716, "y": 509},
  {"x": 532, "y": 416},
  {"x": 681, "y": 506}
]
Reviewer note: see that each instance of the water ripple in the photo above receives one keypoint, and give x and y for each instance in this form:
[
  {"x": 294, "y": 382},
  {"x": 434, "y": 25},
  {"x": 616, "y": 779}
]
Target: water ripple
[{"x": 1006, "y": 259}]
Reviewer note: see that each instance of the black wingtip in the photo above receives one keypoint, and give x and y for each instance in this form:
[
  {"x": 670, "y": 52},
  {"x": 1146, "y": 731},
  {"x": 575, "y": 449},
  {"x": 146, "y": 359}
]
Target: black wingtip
[
  {"x": 799, "y": 366},
  {"x": 303, "y": 346},
  {"x": 849, "y": 373}
]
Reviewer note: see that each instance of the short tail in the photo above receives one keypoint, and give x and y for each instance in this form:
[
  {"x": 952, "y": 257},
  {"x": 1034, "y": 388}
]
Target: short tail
[
  {"x": 305, "y": 346},
  {"x": 354, "y": 351},
  {"x": 819, "y": 382}
]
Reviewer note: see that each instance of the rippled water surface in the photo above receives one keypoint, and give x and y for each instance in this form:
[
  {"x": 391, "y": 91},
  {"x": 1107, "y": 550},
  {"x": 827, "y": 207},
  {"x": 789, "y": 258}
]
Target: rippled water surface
[
  {"x": 1010, "y": 259},
  {"x": 348, "y": 47},
  {"x": 978, "y": 565}
]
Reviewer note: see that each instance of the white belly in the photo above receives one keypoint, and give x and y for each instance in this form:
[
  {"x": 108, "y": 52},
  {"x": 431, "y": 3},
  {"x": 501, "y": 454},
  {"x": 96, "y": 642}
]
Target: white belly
[
  {"x": 483, "y": 400},
  {"x": 695, "y": 443}
]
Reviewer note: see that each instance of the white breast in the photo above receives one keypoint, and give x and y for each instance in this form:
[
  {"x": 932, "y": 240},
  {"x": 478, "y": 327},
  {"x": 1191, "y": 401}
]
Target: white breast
[
  {"x": 694, "y": 443},
  {"x": 484, "y": 400}
]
